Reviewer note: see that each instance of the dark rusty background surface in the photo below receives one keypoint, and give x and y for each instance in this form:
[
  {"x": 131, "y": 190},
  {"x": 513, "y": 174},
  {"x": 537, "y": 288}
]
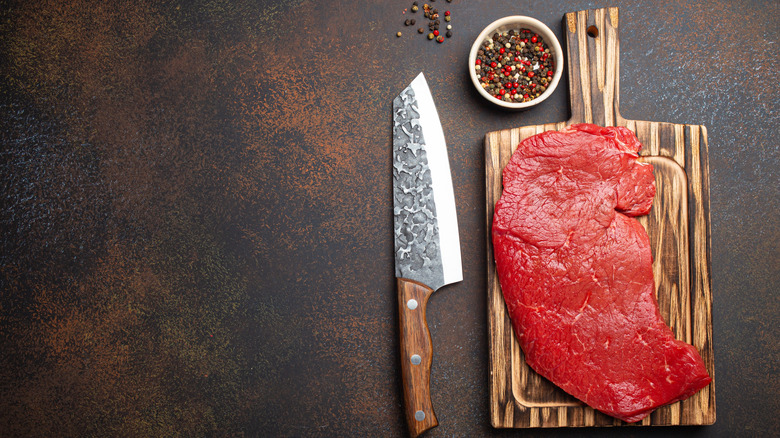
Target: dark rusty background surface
[{"x": 195, "y": 209}]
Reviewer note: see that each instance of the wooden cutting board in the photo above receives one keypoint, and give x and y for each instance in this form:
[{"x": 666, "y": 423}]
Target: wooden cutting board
[{"x": 678, "y": 226}]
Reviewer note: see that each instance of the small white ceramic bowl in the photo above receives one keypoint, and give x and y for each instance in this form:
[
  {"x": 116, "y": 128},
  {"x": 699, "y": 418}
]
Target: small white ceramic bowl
[{"x": 518, "y": 22}]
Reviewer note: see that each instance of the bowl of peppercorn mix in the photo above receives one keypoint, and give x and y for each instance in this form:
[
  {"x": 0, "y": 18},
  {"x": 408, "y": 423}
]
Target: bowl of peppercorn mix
[{"x": 516, "y": 62}]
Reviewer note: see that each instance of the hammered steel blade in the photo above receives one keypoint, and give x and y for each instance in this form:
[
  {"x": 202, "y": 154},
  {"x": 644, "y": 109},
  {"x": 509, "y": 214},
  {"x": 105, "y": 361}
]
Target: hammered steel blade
[{"x": 427, "y": 244}]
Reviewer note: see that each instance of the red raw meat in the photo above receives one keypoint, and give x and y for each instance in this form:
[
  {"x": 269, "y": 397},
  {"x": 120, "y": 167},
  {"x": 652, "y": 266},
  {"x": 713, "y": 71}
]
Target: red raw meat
[{"x": 575, "y": 270}]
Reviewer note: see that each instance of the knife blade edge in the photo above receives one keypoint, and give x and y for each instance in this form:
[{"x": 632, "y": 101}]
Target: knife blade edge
[{"x": 443, "y": 192}]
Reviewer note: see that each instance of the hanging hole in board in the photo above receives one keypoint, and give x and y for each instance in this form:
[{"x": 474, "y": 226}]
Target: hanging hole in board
[{"x": 592, "y": 31}]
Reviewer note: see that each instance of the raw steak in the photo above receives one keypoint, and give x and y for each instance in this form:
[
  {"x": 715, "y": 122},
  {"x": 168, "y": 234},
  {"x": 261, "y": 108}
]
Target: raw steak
[{"x": 575, "y": 270}]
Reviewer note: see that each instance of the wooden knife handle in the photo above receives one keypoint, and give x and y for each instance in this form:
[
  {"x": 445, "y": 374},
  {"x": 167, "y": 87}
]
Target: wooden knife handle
[{"x": 416, "y": 356}]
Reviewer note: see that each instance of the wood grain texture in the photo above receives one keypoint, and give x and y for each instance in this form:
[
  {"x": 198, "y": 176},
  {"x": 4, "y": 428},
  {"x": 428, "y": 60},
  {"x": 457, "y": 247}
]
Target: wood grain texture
[
  {"x": 415, "y": 341},
  {"x": 678, "y": 227}
]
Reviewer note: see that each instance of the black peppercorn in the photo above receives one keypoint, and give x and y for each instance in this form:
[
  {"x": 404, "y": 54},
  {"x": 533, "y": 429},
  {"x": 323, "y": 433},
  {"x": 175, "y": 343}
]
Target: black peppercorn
[{"x": 514, "y": 66}]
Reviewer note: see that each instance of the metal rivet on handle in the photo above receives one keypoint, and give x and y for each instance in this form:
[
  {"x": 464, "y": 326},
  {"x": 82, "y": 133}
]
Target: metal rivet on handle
[
  {"x": 416, "y": 359},
  {"x": 419, "y": 415},
  {"x": 411, "y": 304}
]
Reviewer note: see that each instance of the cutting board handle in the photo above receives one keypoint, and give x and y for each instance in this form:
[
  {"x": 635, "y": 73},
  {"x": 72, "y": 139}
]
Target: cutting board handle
[{"x": 593, "y": 51}]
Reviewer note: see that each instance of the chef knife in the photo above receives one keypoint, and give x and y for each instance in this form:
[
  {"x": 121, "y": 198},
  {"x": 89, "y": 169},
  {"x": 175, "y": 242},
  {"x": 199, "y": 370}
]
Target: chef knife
[{"x": 427, "y": 246}]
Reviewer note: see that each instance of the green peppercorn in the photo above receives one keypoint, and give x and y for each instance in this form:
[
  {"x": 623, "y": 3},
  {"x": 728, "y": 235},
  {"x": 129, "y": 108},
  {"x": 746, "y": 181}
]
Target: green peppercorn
[{"x": 430, "y": 35}]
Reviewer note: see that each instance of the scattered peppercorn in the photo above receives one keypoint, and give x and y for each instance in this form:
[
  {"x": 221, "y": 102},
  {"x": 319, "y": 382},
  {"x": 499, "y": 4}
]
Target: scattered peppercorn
[
  {"x": 432, "y": 15},
  {"x": 514, "y": 66},
  {"x": 398, "y": 34},
  {"x": 439, "y": 39}
]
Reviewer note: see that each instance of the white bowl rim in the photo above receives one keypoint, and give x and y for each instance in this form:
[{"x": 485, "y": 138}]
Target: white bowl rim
[{"x": 518, "y": 21}]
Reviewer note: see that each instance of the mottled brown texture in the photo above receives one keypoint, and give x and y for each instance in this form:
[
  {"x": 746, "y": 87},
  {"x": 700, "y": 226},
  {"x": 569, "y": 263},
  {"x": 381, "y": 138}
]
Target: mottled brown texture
[{"x": 196, "y": 210}]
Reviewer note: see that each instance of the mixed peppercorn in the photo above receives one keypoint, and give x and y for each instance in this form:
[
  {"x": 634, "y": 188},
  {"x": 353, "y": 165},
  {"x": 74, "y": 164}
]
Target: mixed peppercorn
[
  {"x": 515, "y": 66},
  {"x": 434, "y": 21}
]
